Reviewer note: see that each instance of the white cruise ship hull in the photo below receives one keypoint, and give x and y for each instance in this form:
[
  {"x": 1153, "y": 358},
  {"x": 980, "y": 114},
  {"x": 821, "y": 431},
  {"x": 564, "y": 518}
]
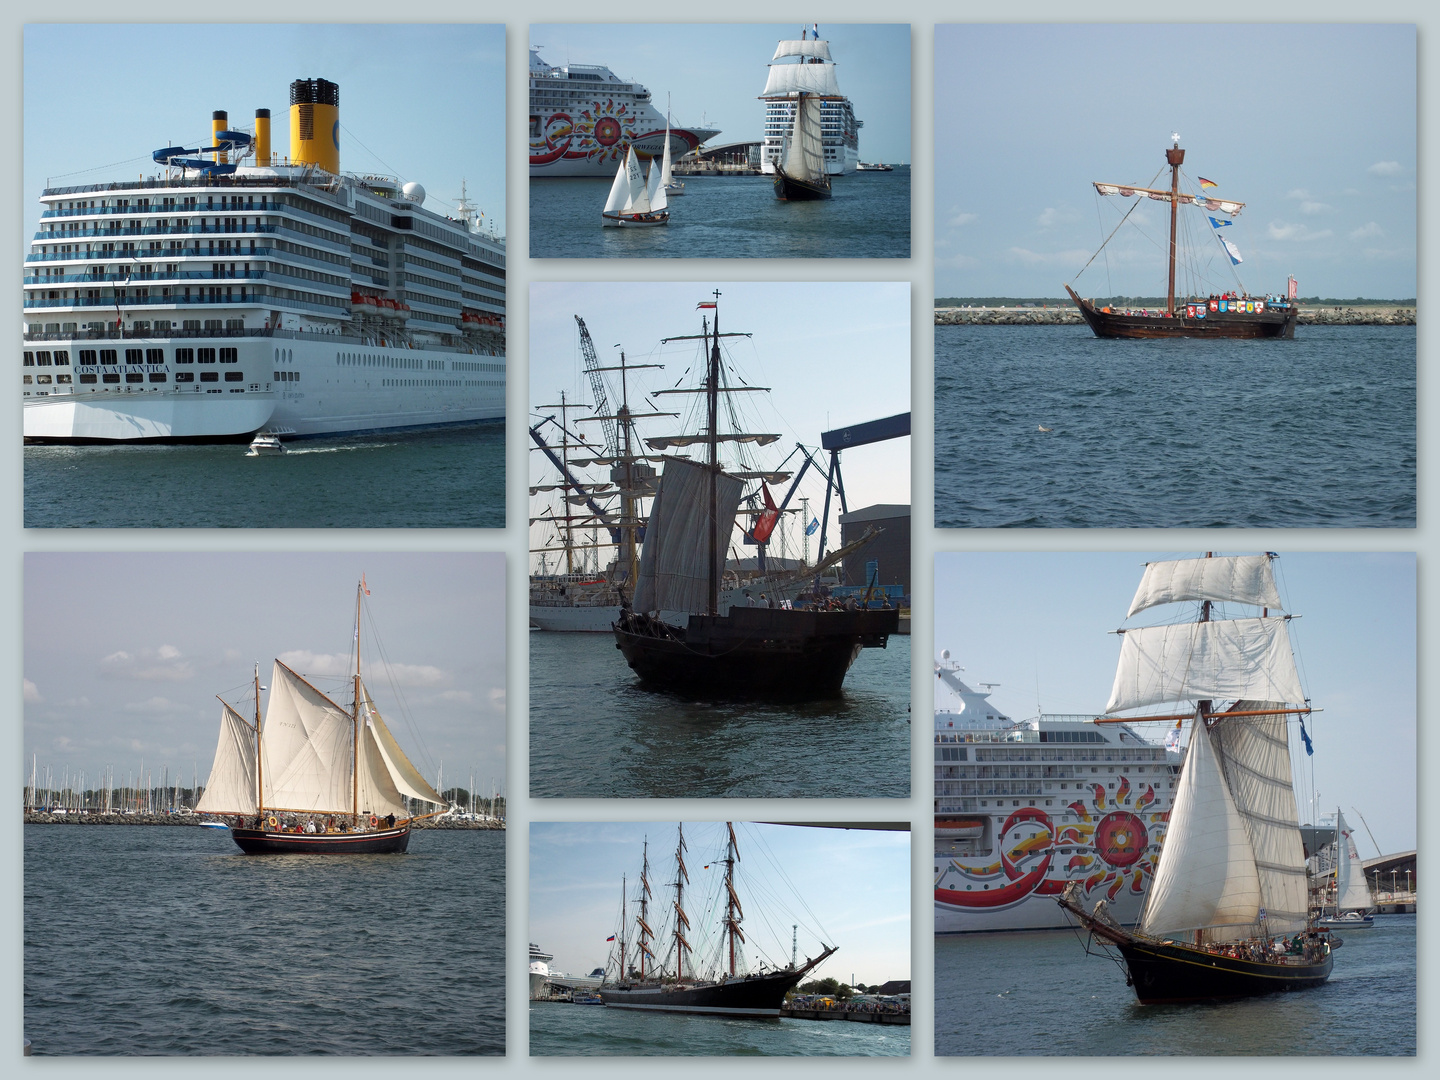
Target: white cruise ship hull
[
  {"x": 590, "y": 619},
  {"x": 71, "y": 418}
]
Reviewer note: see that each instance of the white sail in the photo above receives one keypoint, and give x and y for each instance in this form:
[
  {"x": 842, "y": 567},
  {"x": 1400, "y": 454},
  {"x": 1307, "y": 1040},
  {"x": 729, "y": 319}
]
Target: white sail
[
  {"x": 655, "y": 187},
  {"x": 818, "y": 50},
  {"x": 636, "y": 201},
  {"x": 377, "y": 794},
  {"x": 1254, "y": 755},
  {"x": 305, "y": 754},
  {"x": 231, "y": 787},
  {"x": 674, "y": 575},
  {"x": 1352, "y": 891},
  {"x": 803, "y": 155},
  {"x": 619, "y": 191},
  {"x": 665, "y": 177},
  {"x": 1233, "y": 658},
  {"x": 1206, "y": 879},
  {"x": 1244, "y": 579},
  {"x": 785, "y": 79},
  {"x": 406, "y": 777}
]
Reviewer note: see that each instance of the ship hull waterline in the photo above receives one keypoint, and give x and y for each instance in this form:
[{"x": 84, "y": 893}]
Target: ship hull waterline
[
  {"x": 793, "y": 189},
  {"x": 752, "y": 652},
  {"x": 752, "y": 996},
  {"x": 380, "y": 842},
  {"x": 1166, "y": 974},
  {"x": 1274, "y": 323}
]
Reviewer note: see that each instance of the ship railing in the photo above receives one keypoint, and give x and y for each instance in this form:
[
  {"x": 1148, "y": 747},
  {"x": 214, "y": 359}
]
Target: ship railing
[
  {"x": 156, "y": 230},
  {"x": 178, "y": 275},
  {"x": 248, "y": 332},
  {"x": 247, "y": 299},
  {"x": 160, "y": 208},
  {"x": 231, "y": 180}
]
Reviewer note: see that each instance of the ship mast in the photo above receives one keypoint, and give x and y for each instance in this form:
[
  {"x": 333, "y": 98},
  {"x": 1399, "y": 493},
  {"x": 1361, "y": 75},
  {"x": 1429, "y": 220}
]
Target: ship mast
[
  {"x": 355, "y": 715},
  {"x": 623, "y": 918},
  {"x": 682, "y": 921},
  {"x": 643, "y": 921},
  {"x": 712, "y": 403},
  {"x": 1176, "y": 157},
  {"x": 259, "y": 757},
  {"x": 733, "y": 912}
]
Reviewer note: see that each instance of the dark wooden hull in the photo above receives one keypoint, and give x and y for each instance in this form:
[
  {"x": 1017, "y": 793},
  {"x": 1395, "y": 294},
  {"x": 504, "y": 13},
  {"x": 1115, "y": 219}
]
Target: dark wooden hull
[
  {"x": 765, "y": 653},
  {"x": 793, "y": 189},
  {"x": 637, "y": 221},
  {"x": 757, "y": 996},
  {"x": 380, "y": 842},
  {"x": 1273, "y": 322},
  {"x": 1162, "y": 973}
]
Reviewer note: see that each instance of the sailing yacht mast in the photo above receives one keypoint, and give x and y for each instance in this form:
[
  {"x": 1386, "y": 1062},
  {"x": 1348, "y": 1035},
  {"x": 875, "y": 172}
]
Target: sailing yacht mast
[
  {"x": 259, "y": 757},
  {"x": 355, "y": 715}
]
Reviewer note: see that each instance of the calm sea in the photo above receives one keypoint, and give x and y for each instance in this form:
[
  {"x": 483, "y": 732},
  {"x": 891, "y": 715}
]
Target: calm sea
[
  {"x": 169, "y": 941},
  {"x": 592, "y": 1030},
  {"x": 443, "y": 478},
  {"x": 729, "y": 217},
  {"x": 596, "y": 733},
  {"x": 1319, "y": 431},
  {"x": 1038, "y": 993}
]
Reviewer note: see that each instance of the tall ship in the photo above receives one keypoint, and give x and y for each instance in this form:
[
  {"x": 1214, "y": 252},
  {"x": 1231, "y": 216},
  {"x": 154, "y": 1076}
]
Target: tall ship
[
  {"x": 584, "y": 118},
  {"x": 239, "y": 291},
  {"x": 1221, "y": 313},
  {"x": 658, "y": 976},
  {"x": 1228, "y": 913},
  {"x": 673, "y": 632},
  {"x": 312, "y": 776},
  {"x": 1024, "y": 809},
  {"x": 805, "y": 69}
]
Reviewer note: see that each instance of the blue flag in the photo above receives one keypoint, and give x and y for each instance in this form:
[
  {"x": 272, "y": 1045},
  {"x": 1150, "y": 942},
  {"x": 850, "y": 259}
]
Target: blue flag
[
  {"x": 1305, "y": 738},
  {"x": 812, "y": 527},
  {"x": 1219, "y": 224}
]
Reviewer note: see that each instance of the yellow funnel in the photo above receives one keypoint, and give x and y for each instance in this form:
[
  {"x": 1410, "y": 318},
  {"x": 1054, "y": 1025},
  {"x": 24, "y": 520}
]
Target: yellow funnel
[
  {"x": 262, "y": 136},
  {"x": 219, "y": 121},
  {"x": 315, "y": 124}
]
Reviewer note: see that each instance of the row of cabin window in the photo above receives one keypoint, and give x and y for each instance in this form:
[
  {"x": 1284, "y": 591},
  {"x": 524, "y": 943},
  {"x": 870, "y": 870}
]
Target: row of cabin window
[
  {"x": 160, "y": 376},
  {"x": 43, "y": 358},
  {"x": 155, "y": 356}
]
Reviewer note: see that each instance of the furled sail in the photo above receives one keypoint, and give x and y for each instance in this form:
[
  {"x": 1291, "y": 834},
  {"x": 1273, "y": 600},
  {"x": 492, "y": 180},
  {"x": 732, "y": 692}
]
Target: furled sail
[
  {"x": 306, "y": 747},
  {"x": 1352, "y": 892},
  {"x": 1206, "y": 879},
  {"x": 814, "y": 50},
  {"x": 231, "y": 787},
  {"x": 673, "y": 442},
  {"x": 1243, "y": 579},
  {"x": 1254, "y": 755},
  {"x": 674, "y": 575},
  {"x": 1233, "y": 658},
  {"x": 787, "y": 79},
  {"x": 803, "y": 155}
]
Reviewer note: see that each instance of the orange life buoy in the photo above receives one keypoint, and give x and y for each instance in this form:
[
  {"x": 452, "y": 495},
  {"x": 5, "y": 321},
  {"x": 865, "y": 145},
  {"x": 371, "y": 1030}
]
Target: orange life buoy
[
  {"x": 273, "y": 822},
  {"x": 374, "y": 821}
]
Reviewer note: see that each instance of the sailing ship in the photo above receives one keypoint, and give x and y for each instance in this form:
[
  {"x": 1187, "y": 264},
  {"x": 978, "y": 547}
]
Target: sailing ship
[
  {"x": 1227, "y": 913},
  {"x": 800, "y": 171},
  {"x": 797, "y": 653},
  {"x": 635, "y": 201},
  {"x": 1352, "y": 903},
  {"x": 668, "y": 183},
  {"x": 643, "y": 984},
  {"x": 312, "y": 776},
  {"x": 1227, "y": 314},
  {"x": 807, "y": 66}
]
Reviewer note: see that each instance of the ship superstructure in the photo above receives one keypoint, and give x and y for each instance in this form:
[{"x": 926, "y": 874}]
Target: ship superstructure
[
  {"x": 583, "y": 118},
  {"x": 1022, "y": 809},
  {"x": 238, "y": 290},
  {"x": 805, "y": 67}
]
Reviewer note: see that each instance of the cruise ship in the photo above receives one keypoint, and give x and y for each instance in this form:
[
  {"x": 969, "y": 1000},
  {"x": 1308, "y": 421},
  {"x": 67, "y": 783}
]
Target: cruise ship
[
  {"x": 805, "y": 66},
  {"x": 1022, "y": 809},
  {"x": 583, "y": 117},
  {"x": 239, "y": 291}
]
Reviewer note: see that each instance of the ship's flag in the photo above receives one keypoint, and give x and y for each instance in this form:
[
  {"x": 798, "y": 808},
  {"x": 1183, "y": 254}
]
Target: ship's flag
[
  {"x": 812, "y": 527},
  {"x": 1232, "y": 251},
  {"x": 363, "y": 586},
  {"x": 765, "y": 523},
  {"x": 1172, "y": 740},
  {"x": 1305, "y": 738},
  {"x": 1216, "y": 223},
  {"x": 610, "y": 938},
  {"x": 705, "y": 304},
  {"x": 1207, "y": 183}
]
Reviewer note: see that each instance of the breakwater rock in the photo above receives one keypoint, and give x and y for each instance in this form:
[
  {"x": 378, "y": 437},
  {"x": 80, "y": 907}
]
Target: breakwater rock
[{"x": 1066, "y": 316}]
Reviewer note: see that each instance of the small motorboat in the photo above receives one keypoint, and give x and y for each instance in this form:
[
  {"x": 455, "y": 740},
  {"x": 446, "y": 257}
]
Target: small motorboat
[{"x": 265, "y": 444}]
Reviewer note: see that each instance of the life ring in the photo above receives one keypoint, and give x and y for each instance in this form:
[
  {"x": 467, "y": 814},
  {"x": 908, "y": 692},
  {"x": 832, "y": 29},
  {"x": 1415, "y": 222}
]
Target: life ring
[
  {"x": 272, "y": 821},
  {"x": 374, "y": 821}
]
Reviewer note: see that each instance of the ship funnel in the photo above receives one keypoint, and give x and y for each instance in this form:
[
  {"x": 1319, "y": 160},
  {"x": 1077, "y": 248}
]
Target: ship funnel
[
  {"x": 219, "y": 121},
  {"x": 262, "y": 136},
  {"x": 315, "y": 123}
]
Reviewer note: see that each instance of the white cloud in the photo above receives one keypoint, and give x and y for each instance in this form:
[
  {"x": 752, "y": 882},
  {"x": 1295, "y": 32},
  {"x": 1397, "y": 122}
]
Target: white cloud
[
  {"x": 1280, "y": 230},
  {"x": 1298, "y": 193},
  {"x": 155, "y": 706},
  {"x": 1051, "y": 216},
  {"x": 32, "y": 692},
  {"x": 1049, "y": 258},
  {"x": 1313, "y": 208},
  {"x": 1384, "y": 168},
  {"x": 1367, "y": 231},
  {"x": 163, "y": 664},
  {"x": 334, "y": 665},
  {"x": 464, "y": 697},
  {"x": 959, "y": 218},
  {"x": 497, "y": 697}
]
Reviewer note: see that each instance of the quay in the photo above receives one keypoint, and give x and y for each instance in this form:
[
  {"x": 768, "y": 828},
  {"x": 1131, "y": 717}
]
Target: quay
[
  {"x": 1068, "y": 314},
  {"x": 855, "y": 1016}
]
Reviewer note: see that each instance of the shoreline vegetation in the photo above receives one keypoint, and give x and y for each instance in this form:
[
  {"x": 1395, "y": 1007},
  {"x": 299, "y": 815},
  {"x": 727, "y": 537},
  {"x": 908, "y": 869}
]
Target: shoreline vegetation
[
  {"x": 1010, "y": 311},
  {"x": 40, "y": 817}
]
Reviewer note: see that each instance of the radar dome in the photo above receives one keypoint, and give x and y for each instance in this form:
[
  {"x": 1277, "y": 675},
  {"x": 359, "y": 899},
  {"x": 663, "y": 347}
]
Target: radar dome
[
  {"x": 945, "y": 655},
  {"x": 414, "y": 192}
]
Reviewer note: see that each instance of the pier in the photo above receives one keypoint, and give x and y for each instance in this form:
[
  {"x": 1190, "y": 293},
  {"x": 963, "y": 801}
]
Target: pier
[{"x": 856, "y": 1016}]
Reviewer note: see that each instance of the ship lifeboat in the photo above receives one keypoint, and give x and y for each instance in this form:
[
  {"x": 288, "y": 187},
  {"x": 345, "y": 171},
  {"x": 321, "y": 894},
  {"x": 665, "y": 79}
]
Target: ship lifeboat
[{"x": 958, "y": 828}]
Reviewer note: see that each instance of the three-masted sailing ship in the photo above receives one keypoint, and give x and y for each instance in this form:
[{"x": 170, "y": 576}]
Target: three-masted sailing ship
[
  {"x": 1227, "y": 314},
  {"x": 792, "y": 653},
  {"x": 645, "y": 984},
  {"x": 1227, "y": 914},
  {"x": 312, "y": 776}
]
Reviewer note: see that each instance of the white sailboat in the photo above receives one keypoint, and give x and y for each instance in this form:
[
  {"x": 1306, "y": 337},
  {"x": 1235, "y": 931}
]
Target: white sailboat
[
  {"x": 1352, "y": 893},
  {"x": 668, "y": 183},
  {"x": 633, "y": 201}
]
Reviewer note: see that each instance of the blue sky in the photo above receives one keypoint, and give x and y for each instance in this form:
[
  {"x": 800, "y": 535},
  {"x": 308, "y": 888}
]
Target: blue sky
[
  {"x": 1313, "y": 127},
  {"x": 853, "y": 890},
  {"x": 718, "y": 71},
  {"x": 125, "y": 653},
  {"x": 1039, "y": 624},
  {"x": 426, "y": 102},
  {"x": 833, "y": 354}
]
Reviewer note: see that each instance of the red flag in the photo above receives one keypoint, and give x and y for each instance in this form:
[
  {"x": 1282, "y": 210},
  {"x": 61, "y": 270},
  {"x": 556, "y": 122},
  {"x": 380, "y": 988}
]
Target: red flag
[
  {"x": 364, "y": 588},
  {"x": 765, "y": 523}
]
